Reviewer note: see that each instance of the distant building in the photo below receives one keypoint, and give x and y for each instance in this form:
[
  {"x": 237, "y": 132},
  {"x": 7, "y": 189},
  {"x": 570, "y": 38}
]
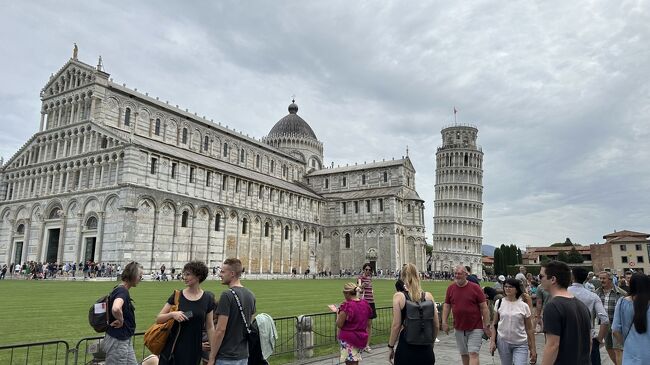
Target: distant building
[
  {"x": 533, "y": 255},
  {"x": 623, "y": 250}
]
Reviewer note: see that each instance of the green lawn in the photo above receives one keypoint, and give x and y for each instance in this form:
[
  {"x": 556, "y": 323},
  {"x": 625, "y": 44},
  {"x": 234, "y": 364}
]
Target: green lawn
[{"x": 47, "y": 310}]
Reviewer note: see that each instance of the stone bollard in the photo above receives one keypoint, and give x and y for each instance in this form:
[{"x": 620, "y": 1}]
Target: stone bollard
[{"x": 304, "y": 338}]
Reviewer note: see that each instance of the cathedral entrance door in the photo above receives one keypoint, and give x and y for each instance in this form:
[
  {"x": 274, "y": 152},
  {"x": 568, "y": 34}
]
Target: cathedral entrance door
[
  {"x": 52, "y": 245},
  {"x": 18, "y": 253},
  {"x": 90, "y": 249},
  {"x": 373, "y": 265}
]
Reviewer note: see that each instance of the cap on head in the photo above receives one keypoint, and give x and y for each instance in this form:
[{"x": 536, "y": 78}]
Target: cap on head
[{"x": 502, "y": 278}]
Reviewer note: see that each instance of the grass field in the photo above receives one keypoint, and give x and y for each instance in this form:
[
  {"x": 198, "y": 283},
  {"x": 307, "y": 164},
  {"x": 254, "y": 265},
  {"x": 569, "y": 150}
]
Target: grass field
[{"x": 32, "y": 311}]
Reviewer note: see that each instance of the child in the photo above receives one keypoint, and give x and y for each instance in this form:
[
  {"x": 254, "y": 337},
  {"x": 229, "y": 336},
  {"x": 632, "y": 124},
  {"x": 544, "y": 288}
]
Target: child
[{"x": 352, "y": 321}]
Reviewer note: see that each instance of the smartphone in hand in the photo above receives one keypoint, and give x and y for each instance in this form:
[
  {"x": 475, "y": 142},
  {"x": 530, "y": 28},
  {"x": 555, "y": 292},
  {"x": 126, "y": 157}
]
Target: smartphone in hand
[
  {"x": 188, "y": 314},
  {"x": 333, "y": 307}
]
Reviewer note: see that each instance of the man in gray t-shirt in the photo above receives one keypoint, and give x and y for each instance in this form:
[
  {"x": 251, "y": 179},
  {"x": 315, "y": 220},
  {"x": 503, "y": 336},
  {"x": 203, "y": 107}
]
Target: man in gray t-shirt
[{"x": 231, "y": 342}]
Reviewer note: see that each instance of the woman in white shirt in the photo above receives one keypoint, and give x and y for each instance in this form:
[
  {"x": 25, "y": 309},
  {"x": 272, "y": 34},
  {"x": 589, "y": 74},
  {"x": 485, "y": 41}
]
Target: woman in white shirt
[{"x": 514, "y": 338}]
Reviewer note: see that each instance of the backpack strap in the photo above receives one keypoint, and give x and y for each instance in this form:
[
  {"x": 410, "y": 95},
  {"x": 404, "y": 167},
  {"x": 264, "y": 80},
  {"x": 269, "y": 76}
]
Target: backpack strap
[{"x": 241, "y": 310}]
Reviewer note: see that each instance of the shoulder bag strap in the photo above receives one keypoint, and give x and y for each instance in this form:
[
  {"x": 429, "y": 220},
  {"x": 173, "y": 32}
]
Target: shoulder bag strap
[
  {"x": 177, "y": 295},
  {"x": 241, "y": 310}
]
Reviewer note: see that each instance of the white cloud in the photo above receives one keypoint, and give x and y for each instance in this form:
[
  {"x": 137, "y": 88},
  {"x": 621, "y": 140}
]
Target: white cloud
[{"x": 558, "y": 90}]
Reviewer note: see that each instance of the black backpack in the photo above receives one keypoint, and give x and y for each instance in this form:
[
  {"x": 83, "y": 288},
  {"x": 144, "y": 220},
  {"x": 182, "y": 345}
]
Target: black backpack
[
  {"x": 418, "y": 323},
  {"x": 98, "y": 313}
]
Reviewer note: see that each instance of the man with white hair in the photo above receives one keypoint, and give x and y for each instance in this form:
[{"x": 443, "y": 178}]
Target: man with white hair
[{"x": 471, "y": 315}]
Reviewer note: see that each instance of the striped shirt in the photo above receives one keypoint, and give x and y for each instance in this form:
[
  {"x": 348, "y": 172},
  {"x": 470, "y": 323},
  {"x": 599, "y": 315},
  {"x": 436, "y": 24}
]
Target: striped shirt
[{"x": 366, "y": 287}]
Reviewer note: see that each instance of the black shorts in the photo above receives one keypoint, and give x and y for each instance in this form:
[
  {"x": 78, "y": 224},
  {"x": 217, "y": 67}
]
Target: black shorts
[{"x": 374, "y": 311}]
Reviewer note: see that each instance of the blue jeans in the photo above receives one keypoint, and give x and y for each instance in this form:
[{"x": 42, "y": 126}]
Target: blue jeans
[
  {"x": 509, "y": 353},
  {"x": 231, "y": 362}
]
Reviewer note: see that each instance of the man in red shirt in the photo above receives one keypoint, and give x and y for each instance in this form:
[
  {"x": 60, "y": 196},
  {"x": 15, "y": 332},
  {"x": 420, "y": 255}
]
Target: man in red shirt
[{"x": 471, "y": 315}]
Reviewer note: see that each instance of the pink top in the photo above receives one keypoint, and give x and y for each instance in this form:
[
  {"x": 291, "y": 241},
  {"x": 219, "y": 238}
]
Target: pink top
[
  {"x": 367, "y": 291},
  {"x": 355, "y": 328}
]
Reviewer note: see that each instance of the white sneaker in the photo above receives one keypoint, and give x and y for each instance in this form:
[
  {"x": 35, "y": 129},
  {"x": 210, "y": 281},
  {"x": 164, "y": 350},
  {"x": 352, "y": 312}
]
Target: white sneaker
[
  {"x": 367, "y": 349},
  {"x": 437, "y": 340}
]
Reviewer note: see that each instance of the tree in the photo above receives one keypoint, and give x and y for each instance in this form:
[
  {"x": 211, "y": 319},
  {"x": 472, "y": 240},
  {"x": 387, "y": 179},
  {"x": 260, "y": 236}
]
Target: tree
[
  {"x": 544, "y": 259},
  {"x": 563, "y": 256},
  {"x": 429, "y": 249},
  {"x": 499, "y": 264},
  {"x": 575, "y": 257}
]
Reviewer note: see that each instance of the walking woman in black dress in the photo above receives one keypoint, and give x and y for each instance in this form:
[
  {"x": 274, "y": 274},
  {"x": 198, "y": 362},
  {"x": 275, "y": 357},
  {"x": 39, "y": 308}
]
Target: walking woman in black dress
[
  {"x": 194, "y": 313},
  {"x": 408, "y": 354}
]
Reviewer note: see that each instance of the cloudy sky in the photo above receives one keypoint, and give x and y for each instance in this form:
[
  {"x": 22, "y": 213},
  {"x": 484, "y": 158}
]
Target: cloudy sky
[{"x": 560, "y": 92}]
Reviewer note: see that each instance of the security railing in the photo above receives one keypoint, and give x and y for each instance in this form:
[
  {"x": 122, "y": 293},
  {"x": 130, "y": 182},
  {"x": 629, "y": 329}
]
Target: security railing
[{"x": 48, "y": 352}]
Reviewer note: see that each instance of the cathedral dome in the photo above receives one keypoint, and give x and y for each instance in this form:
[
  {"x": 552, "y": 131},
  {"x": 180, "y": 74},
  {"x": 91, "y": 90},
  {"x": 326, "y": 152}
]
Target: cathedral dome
[{"x": 292, "y": 125}]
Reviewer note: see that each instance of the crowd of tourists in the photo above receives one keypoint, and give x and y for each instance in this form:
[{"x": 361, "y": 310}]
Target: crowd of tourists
[{"x": 578, "y": 311}]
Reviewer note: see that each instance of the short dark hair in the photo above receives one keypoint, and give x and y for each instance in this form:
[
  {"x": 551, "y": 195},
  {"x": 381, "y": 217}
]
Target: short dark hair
[
  {"x": 516, "y": 284},
  {"x": 367, "y": 264},
  {"x": 235, "y": 265},
  {"x": 198, "y": 269},
  {"x": 579, "y": 275},
  {"x": 560, "y": 271},
  {"x": 131, "y": 272},
  {"x": 469, "y": 269}
]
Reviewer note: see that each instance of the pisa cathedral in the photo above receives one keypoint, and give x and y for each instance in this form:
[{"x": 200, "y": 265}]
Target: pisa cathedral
[
  {"x": 458, "y": 206},
  {"x": 114, "y": 175}
]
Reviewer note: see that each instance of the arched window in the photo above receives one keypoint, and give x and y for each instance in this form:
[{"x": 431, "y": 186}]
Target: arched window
[
  {"x": 286, "y": 232},
  {"x": 157, "y": 127},
  {"x": 319, "y": 237},
  {"x": 304, "y": 235},
  {"x": 244, "y": 226},
  {"x": 217, "y": 222},
  {"x": 272, "y": 166},
  {"x": 385, "y": 176},
  {"x": 242, "y": 156},
  {"x": 267, "y": 227},
  {"x": 104, "y": 142},
  {"x": 363, "y": 179},
  {"x": 127, "y": 117},
  {"x": 258, "y": 161},
  {"x": 206, "y": 140},
  {"x": 347, "y": 240},
  {"x": 184, "y": 137},
  {"x": 91, "y": 223},
  {"x": 184, "y": 217},
  {"x": 225, "y": 150},
  {"x": 466, "y": 160},
  {"x": 20, "y": 229}
]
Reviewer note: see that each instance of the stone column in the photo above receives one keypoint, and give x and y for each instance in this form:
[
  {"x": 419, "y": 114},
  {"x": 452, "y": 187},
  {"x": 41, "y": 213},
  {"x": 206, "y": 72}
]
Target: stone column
[
  {"x": 92, "y": 107},
  {"x": 58, "y": 115},
  {"x": 77, "y": 249},
  {"x": 73, "y": 116},
  {"x": 42, "y": 123},
  {"x": 28, "y": 224},
  {"x": 100, "y": 236},
  {"x": 192, "y": 237},
  {"x": 59, "y": 254},
  {"x": 12, "y": 222}
]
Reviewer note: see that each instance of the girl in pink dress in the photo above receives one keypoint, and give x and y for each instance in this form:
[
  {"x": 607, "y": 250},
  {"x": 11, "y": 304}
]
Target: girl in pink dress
[{"x": 352, "y": 321}]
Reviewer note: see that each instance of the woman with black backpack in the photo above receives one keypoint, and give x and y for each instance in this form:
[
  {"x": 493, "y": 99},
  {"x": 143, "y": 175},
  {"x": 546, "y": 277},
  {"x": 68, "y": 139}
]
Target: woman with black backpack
[{"x": 415, "y": 321}]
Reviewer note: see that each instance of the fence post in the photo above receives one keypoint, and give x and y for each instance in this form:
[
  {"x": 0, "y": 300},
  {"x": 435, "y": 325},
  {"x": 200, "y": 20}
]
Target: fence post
[{"x": 305, "y": 337}]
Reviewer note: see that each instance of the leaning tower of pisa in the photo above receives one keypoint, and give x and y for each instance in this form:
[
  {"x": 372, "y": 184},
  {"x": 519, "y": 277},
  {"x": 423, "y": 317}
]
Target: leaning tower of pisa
[{"x": 458, "y": 203}]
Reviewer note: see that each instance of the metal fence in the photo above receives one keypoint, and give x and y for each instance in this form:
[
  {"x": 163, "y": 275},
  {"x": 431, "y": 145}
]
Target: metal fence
[
  {"x": 298, "y": 335},
  {"x": 48, "y": 352}
]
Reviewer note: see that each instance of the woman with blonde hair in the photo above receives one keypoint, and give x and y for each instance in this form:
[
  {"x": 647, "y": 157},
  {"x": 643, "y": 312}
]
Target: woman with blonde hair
[
  {"x": 352, "y": 320},
  {"x": 410, "y": 353}
]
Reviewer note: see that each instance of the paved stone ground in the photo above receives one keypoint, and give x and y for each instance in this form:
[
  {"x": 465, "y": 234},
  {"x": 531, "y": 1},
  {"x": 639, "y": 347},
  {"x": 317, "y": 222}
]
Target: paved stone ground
[{"x": 445, "y": 352}]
